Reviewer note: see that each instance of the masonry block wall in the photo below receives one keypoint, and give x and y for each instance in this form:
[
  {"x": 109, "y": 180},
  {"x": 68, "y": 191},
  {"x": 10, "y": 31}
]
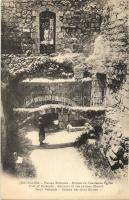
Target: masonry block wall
[
  {"x": 77, "y": 24},
  {"x": 67, "y": 93}
]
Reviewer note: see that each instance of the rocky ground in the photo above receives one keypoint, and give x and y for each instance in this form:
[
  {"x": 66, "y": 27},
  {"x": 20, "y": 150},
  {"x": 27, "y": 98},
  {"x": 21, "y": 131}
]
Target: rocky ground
[{"x": 99, "y": 163}]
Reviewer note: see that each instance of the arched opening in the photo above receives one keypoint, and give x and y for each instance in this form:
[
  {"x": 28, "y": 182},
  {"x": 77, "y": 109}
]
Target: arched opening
[
  {"x": 49, "y": 119},
  {"x": 48, "y": 100},
  {"x": 47, "y": 32}
]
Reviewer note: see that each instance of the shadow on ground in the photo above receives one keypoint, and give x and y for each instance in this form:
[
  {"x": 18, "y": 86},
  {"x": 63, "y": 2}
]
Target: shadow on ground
[{"x": 52, "y": 146}]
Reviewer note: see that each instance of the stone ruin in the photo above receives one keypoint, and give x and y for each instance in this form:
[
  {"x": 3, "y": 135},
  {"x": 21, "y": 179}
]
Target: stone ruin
[{"x": 63, "y": 57}]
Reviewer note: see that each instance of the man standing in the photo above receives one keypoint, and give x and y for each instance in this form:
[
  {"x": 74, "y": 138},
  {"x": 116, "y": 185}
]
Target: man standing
[{"x": 41, "y": 130}]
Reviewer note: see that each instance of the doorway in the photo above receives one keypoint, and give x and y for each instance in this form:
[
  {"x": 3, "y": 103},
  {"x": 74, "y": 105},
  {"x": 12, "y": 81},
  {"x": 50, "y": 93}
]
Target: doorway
[{"x": 47, "y": 32}]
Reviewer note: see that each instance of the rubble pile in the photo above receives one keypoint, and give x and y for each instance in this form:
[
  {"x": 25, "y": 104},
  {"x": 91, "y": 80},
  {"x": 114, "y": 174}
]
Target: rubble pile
[{"x": 115, "y": 142}]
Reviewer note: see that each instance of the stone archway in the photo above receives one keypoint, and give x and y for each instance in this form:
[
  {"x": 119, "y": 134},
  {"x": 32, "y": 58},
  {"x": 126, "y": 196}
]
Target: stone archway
[{"x": 48, "y": 99}]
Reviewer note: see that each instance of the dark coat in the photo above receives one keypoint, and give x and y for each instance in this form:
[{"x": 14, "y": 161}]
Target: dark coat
[{"x": 41, "y": 132}]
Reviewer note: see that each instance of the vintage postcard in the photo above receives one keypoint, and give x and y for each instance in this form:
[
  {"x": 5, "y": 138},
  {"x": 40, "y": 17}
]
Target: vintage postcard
[{"x": 64, "y": 99}]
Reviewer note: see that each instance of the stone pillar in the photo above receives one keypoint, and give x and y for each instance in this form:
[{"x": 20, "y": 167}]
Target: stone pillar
[
  {"x": 92, "y": 103},
  {"x": 97, "y": 92},
  {"x": 63, "y": 119}
]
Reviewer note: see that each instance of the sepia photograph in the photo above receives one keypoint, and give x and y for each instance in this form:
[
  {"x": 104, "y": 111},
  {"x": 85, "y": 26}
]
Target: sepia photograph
[{"x": 64, "y": 99}]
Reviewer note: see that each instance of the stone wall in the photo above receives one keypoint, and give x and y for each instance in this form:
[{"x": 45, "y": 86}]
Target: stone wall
[
  {"x": 76, "y": 116},
  {"x": 68, "y": 92},
  {"x": 115, "y": 128},
  {"x": 110, "y": 57},
  {"x": 115, "y": 32},
  {"x": 9, "y": 128},
  {"x": 77, "y": 24}
]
